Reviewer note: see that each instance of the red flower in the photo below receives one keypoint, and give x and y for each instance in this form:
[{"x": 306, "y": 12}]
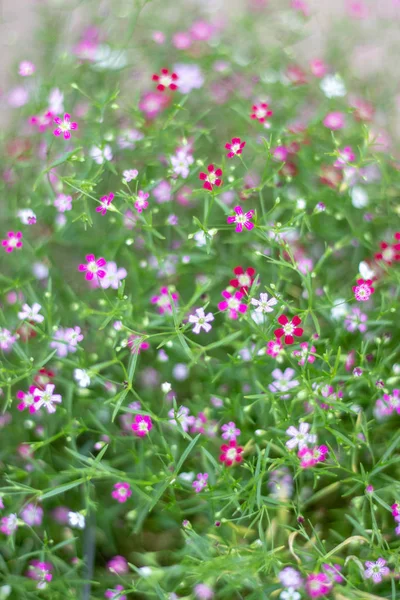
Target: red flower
[
  {"x": 43, "y": 377},
  {"x": 260, "y": 112},
  {"x": 211, "y": 178},
  {"x": 389, "y": 252},
  {"x": 231, "y": 453},
  {"x": 244, "y": 279},
  {"x": 166, "y": 80},
  {"x": 289, "y": 328},
  {"x": 235, "y": 147}
]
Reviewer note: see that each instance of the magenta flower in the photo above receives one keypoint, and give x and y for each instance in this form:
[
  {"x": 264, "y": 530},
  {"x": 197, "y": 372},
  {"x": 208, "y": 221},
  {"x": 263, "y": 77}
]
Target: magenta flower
[
  {"x": 200, "y": 482},
  {"x": 163, "y": 300},
  {"x": 46, "y": 398},
  {"x": 141, "y": 425},
  {"x": 363, "y": 290},
  {"x": 260, "y": 112},
  {"x": 305, "y": 354},
  {"x": 27, "y": 399},
  {"x": 122, "y": 491},
  {"x": 334, "y": 121},
  {"x": 230, "y": 431},
  {"x": 318, "y": 584},
  {"x": 311, "y": 456},
  {"x": 346, "y": 155},
  {"x": 231, "y": 453},
  {"x": 375, "y": 570},
  {"x": 233, "y": 304},
  {"x": 392, "y": 401},
  {"x": 115, "y": 593},
  {"x": 137, "y": 344},
  {"x": 274, "y": 348},
  {"x": 9, "y": 524},
  {"x": 26, "y": 68},
  {"x": 105, "y": 202},
  {"x": 241, "y": 218},
  {"x": 213, "y": 177},
  {"x": 235, "y": 147},
  {"x": 93, "y": 267},
  {"x": 333, "y": 572},
  {"x": 118, "y": 564},
  {"x": 141, "y": 201},
  {"x": 12, "y": 241},
  {"x": 40, "y": 572},
  {"x": 64, "y": 126}
]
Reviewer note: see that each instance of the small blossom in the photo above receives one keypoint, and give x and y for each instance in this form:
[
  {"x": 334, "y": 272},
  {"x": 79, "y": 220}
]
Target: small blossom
[
  {"x": 283, "y": 381},
  {"x": 334, "y": 121},
  {"x": 32, "y": 514},
  {"x": 200, "y": 482},
  {"x": 113, "y": 277},
  {"x": 201, "y": 320},
  {"x": 40, "y": 572},
  {"x": 233, "y": 304},
  {"x": 376, "y": 570},
  {"x": 235, "y": 147},
  {"x": 230, "y": 431},
  {"x": 100, "y": 155},
  {"x": 345, "y": 156},
  {"x": 63, "y": 203},
  {"x": 115, "y": 594},
  {"x": 363, "y": 290},
  {"x": 241, "y": 218},
  {"x": 231, "y": 453},
  {"x": 181, "y": 416},
  {"x": 9, "y": 524},
  {"x": 289, "y": 329},
  {"x": 65, "y": 341},
  {"x": 181, "y": 163},
  {"x": 26, "y": 68},
  {"x": 141, "y": 201},
  {"x": 93, "y": 267},
  {"x": 334, "y": 572},
  {"x": 333, "y": 86},
  {"x": 46, "y": 398},
  {"x": 64, "y": 126},
  {"x": 137, "y": 344},
  {"x": 356, "y": 320},
  {"x": 290, "y": 577},
  {"x": 190, "y": 77},
  {"x": 105, "y": 202},
  {"x": 213, "y": 177},
  {"x": 163, "y": 300},
  {"x": 119, "y": 565},
  {"x": 122, "y": 491},
  {"x": 300, "y": 437},
  {"x": 12, "y": 241},
  {"x": 7, "y": 340},
  {"x": 264, "y": 305},
  {"x": 27, "y": 216},
  {"x": 311, "y": 456},
  {"x": 82, "y": 378},
  {"x": 31, "y": 313},
  {"x": 274, "y": 348},
  {"x": 244, "y": 278},
  {"x": 166, "y": 80},
  {"x": 289, "y": 594},
  {"x": 260, "y": 112},
  {"x": 27, "y": 399},
  {"x": 388, "y": 252},
  {"x": 129, "y": 175},
  {"x": 305, "y": 354},
  {"x": 141, "y": 425},
  {"x": 318, "y": 584}
]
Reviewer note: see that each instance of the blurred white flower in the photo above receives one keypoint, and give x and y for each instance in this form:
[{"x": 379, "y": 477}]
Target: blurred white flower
[
  {"x": 359, "y": 197},
  {"x": 82, "y": 378},
  {"x": 105, "y": 58},
  {"x": 333, "y": 86}
]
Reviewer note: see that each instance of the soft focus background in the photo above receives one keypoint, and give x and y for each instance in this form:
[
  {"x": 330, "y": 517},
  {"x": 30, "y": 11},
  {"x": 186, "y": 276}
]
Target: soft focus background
[{"x": 359, "y": 36}]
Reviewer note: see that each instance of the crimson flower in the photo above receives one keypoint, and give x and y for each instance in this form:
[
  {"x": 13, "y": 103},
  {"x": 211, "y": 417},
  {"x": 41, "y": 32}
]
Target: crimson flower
[
  {"x": 289, "y": 328},
  {"x": 389, "y": 252},
  {"x": 235, "y": 147},
  {"x": 244, "y": 279},
  {"x": 166, "y": 80},
  {"x": 231, "y": 453},
  {"x": 260, "y": 112},
  {"x": 211, "y": 178}
]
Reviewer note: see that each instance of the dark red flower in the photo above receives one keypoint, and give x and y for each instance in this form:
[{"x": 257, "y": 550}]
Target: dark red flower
[
  {"x": 289, "y": 328},
  {"x": 389, "y": 252},
  {"x": 235, "y": 147},
  {"x": 244, "y": 278},
  {"x": 166, "y": 80}
]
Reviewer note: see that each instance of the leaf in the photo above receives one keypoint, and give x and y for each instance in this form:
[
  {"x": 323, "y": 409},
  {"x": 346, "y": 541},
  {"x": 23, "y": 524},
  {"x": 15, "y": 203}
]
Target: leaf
[
  {"x": 63, "y": 159},
  {"x": 187, "y": 452},
  {"x": 122, "y": 395},
  {"x": 61, "y": 489}
]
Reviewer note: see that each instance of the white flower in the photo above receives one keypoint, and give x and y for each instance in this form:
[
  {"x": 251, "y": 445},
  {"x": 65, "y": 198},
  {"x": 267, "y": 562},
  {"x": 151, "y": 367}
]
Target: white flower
[
  {"x": 188, "y": 477},
  {"x": 27, "y": 216},
  {"x": 129, "y": 175},
  {"x": 200, "y": 238},
  {"x": 340, "y": 309},
  {"x": 82, "y": 378},
  {"x": 56, "y": 101},
  {"x": 359, "y": 197},
  {"x": 263, "y": 304},
  {"x": 365, "y": 270},
  {"x": 40, "y": 270},
  {"x": 100, "y": 155},
  {"x": 300, "y": 437},
  {"x": 290, "y": 594},
  {"x": 145, "y": 571},
  {"x": 190, "y": 77},
  {"x": 77, "y": 520},
  {"x": 5, "y": 591},
  {"x": 166, "y": 387},
  {"x": 31, "y": 313},
  {"x": 105, "y": 58},
  {"x": 333, "y": 86},
  {"x": 201, "y": 320},
  {"x": 181, "y": 162}
]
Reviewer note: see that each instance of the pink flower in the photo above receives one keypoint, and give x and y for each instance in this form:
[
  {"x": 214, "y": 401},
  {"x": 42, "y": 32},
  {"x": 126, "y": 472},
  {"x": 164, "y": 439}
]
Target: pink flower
[
  {"x": 141, "y": 201},
  {"x": 122, "y": 491},
  {"x": 9, "y": 524},
  {"x": 114, "y": 276},
  {"x": 152, "y": 103},
  {"x": 115, "y": 593},
  {"x": 235, "y": 147},
  {"x": 260, "y": 112},
  {"x": 305, "y": 354},
  {"x": 201, "y": 320},
  {"x": 333, "y": 572},
  {"x": 63, "y": 203},
  {"x": 64, "y": 126},
  {"x": 118, "y": 564},
  {"x": 182, "y": 40},
  {"x": 231, "y": 453},
  {"x": 40, "y": 572},
  {"x": 12, "y": 241},
  {"x": 334, "y": 121},
  {"x": 201, "y": 31},
  {"x": 32, "y": 514},
  {"x": 280, "y": 153},
  {"x": 274, "y": 348},
  {"x": 26, "y": 68},
  {"x": 318, "y": 584},
  {"x": 375, "y": 570},
  {"x": 27, "y": 399},
  {"x": 105, "y": 202},
  {"x": 65, "y": 341},
  {"x": 181, "y": 417},
  {"x": 162, "y": 192},
  {"x": 318, "y": 67},
  {"x": 166, "y": 80},
  {"x": 241, "y": 218},
  {"x": 137, "y": 344},
  {"x": 163, "y": 300},
  {"x": 283, "y": 381},
  {"x": 356, "y": 321},
  {"x": 311, "y": 456},
  {"x": 42, "y": 121},
  {"x": 289, "y": 329},
  {"x": 233, "y": 304},
  {"x": 363, "y": 290},
  {"x": 211, "y": 178},
  {"x": 93, "y": 267},
  {"x": 7, "y": 340},
  {"x": 230, "y": 431},
  {"x": 200, "y": 482},
  {"x": 346, "y": 155},
  {"x": 141, "y": 425},
  {"x": 46, "y": 398},
  {"x": 392, "y": 401}
]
